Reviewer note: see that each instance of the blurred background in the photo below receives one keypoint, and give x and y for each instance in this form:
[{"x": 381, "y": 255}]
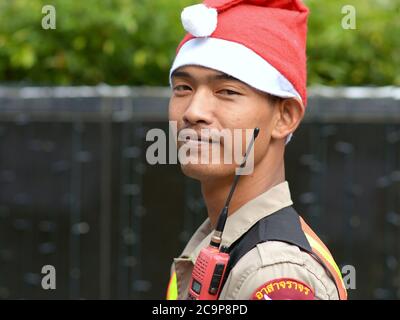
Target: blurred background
[{"x": 77, "y": 193}]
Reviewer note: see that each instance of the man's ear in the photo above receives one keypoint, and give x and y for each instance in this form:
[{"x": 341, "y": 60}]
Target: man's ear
[{"x": 289, "y": 113}]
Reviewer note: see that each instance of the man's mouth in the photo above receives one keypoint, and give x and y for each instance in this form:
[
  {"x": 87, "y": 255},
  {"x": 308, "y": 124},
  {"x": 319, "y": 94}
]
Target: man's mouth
[{"x": 203, "y": 140}]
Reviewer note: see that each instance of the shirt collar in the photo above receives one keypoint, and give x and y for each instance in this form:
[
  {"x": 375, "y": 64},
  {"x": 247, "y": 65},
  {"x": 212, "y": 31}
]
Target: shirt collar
[
  {"x": 245, "y": 217},
  {"x": 240, "y": 221}
]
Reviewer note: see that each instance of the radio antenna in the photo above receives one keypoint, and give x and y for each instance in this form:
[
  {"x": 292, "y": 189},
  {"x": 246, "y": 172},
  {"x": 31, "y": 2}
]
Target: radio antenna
[{"x": 217, "y": 236}]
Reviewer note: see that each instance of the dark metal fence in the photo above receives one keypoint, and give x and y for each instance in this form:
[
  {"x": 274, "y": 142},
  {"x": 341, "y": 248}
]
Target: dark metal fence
[{"x": 76, "y": 191}]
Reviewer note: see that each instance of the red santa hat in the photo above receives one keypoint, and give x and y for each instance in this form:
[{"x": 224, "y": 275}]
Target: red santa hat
[{"x": 260, "y": 42}]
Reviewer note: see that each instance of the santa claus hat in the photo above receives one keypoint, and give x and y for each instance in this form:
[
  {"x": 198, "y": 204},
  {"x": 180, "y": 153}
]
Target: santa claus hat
[{"x": 260, "y": 42}]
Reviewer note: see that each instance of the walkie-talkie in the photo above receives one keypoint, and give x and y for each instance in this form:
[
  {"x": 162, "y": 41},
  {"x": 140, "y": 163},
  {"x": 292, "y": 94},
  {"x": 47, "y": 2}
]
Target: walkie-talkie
[{"x": 211, "y": 263}]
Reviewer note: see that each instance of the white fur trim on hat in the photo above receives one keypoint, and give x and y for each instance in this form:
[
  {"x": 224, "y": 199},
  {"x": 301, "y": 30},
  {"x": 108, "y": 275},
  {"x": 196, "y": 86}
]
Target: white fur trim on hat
[{"x": 199, "y": 20}]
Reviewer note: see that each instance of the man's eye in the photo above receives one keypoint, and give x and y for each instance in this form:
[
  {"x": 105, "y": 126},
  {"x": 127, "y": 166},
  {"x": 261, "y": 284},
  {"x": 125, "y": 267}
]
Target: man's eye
[
  {"x": 181, "y": 88},
  {"x": 228, "y": 92}
]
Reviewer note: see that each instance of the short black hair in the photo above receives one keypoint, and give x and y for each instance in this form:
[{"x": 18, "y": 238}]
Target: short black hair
[{"x": 273, "y": 99}]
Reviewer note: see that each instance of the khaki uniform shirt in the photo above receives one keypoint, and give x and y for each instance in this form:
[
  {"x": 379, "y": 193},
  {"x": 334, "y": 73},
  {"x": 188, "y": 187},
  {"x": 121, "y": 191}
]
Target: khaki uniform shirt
[{"x": 267, "y": 261}]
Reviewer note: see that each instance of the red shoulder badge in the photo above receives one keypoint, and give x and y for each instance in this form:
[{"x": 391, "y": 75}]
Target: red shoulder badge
[{"x": 283, "y": 289}]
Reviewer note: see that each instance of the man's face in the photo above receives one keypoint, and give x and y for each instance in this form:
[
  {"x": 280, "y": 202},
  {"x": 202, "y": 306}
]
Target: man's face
[{"x": 204, "y": 99}]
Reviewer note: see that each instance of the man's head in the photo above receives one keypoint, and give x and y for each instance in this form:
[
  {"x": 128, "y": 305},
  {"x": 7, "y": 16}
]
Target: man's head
[{"x": 242, "y": 65}]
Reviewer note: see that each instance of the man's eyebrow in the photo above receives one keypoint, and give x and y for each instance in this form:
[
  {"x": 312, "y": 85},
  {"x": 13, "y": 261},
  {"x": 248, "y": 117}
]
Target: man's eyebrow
[
  {"x": 219, "y": 76},
  {"x": 224, "y": 76},
  {"x": 227, "y": 77},
  {"x": 181, "y": 74}
]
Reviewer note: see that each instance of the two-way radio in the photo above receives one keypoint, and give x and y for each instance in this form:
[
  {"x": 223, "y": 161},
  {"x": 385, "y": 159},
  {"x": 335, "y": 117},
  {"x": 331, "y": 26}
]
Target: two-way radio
[{"x": 210, "y": 267}]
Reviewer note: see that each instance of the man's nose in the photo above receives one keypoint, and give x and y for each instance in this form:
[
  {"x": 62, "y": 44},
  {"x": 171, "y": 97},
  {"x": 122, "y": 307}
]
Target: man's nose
[{"x": 200, "y": 109}]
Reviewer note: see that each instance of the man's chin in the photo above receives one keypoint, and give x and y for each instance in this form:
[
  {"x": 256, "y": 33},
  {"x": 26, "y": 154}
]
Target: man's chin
[{"x": 205, "y": 171}]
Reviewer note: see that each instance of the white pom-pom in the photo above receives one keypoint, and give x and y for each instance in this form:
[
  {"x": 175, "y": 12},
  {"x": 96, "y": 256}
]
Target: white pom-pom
[{"x": 199, "y": 20}]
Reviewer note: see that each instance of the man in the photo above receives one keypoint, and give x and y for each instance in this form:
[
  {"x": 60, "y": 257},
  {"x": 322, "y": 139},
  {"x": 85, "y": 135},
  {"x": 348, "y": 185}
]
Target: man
[{"x": 243, "y": 65}]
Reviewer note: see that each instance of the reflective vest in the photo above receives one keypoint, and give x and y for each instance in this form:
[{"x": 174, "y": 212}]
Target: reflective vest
[
  {"x": 321, "y": 251},
  {"x": 172, "y": 291},
  {"x": 287, "y": 226}
]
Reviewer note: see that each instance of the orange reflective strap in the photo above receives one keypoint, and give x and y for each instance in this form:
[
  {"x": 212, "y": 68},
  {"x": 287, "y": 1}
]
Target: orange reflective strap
[
  {"x": 322, "y": 252},
  {"x": 172, "y": 291}
]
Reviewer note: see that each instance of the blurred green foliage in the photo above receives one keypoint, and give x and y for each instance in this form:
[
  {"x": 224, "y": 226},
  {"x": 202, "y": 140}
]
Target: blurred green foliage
[
  {"x": 368, "y": 55},
  {"x": 133, "y": 42}
]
